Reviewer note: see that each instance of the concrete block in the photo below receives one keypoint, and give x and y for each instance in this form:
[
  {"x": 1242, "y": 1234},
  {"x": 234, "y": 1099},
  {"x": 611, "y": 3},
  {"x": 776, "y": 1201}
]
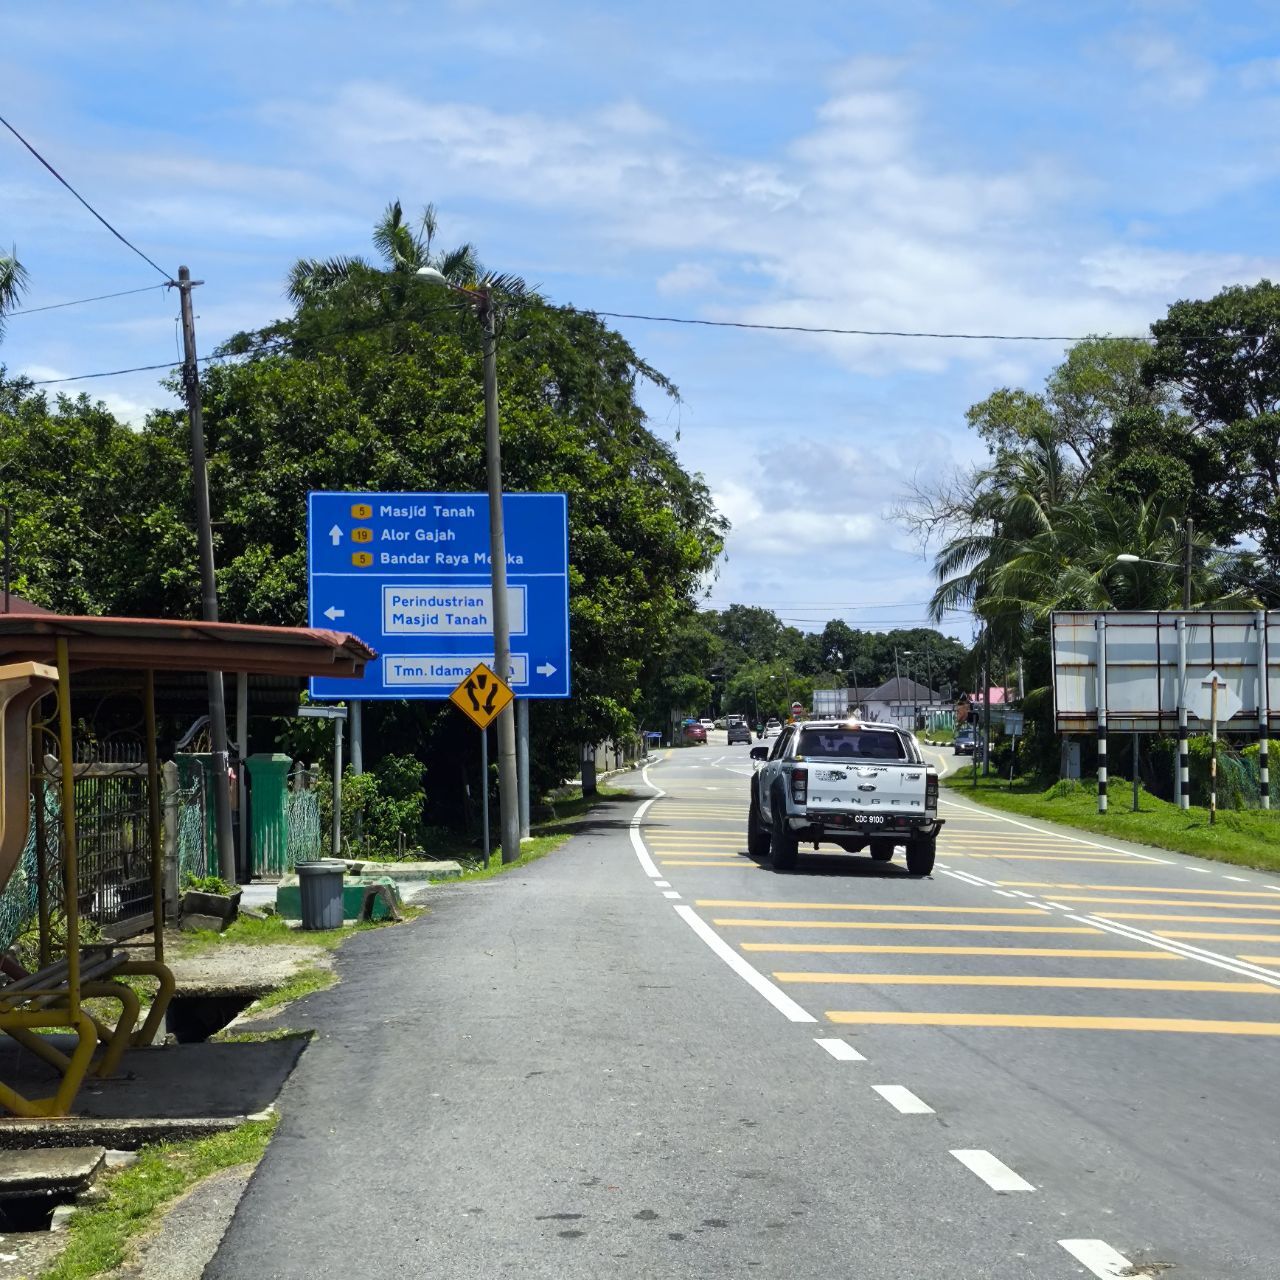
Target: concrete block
[
  {"x": 198, "y": 923},
  {"x": 289, "y": 897},
  {"x": 48, "y": 1170}
]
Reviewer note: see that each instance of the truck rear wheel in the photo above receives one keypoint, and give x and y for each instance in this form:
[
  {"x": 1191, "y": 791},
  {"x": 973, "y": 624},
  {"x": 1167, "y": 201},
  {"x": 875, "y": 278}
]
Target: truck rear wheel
[
  {"x": 757, "y": 832},
  {"x": 920, "y": 854},
  {"x": 784, "y": 844},
  {"x": 882, "y": 850}
]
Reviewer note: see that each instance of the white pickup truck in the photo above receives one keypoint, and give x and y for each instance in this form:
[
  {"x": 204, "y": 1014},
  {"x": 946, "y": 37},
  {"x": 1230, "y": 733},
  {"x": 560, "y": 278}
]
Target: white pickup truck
[{"x": 847, "y": 783}]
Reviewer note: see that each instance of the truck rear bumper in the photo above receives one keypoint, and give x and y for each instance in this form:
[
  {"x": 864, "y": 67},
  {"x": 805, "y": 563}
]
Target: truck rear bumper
[{"x": 838, "y": 823}]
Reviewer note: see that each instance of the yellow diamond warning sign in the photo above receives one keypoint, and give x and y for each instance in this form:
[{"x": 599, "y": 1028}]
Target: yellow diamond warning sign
[{"x": 481, "y": 696}]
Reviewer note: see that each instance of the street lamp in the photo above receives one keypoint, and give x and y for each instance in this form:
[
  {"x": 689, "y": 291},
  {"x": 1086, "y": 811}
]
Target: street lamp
[
  {"x": 508, "y": 795},
  {"x": 1127, "y": 557}
]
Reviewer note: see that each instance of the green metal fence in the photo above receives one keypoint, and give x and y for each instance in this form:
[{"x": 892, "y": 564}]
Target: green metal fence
[{"x": 302, "y": 816}]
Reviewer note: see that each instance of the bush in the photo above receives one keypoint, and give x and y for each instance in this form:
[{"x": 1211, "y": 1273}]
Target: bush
[
  {"x": 206, "y": 884},
  {"x": 381, "y": 811},
  {"x": 1063, "y": 788}
]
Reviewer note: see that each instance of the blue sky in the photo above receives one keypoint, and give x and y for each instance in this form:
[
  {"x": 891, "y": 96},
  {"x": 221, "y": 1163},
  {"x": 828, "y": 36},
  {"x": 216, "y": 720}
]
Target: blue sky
[{"x": 996, "y": 167}]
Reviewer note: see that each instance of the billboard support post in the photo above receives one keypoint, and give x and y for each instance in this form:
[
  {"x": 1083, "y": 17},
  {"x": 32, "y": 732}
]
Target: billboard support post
[
  {"x": 1264, "y": 712},
  {"x": 1100, "y": 626},
  {"x": 1213, "y": 750},
  {"x": 1184, "y": 758}
]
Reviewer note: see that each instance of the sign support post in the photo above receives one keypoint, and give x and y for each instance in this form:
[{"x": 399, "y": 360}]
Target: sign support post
[
  {"x": 1213, "y": 748},
  {"x": 484, "y": 795},
  {"x": 522, "y": 762},
  {"x": 1184, "y": 758},
  {"x": 1100, "y": 626},
  {"x": 1264, "y": 712}
]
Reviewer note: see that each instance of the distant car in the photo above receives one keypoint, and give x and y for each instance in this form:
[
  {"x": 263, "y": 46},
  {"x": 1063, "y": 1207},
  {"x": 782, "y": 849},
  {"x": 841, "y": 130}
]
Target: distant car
[
  {"x": 965, "y": 741},
  {"x": 772, "y": 727},
  {"x": 738, "y": 732},
  {"x": 694, "y": 732},
  {"x": 707, "y": 723},
  {"x": 720, "y": 723}
]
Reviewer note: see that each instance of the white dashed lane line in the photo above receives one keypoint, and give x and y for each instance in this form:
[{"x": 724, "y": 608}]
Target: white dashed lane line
[
  {"x": 902, "y": 1099},
  {"x": 1100, "y": 1258},
  {"x": 995, "y": 1173},
  {"x": 841, "y": 1050},
  {"x": 670, "y": 893}
]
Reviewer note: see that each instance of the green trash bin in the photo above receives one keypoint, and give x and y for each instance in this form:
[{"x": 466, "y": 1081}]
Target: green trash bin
[{"x": 320, "y": 892}]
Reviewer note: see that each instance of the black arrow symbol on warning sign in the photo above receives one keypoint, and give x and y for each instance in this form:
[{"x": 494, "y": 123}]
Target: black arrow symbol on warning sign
[{"x": 479, "y": 682}]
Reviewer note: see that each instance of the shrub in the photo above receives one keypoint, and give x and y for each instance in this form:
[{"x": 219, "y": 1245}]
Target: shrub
[
  {"x": 1063, "y": 788},
  {"x": 206, "y": 884}
]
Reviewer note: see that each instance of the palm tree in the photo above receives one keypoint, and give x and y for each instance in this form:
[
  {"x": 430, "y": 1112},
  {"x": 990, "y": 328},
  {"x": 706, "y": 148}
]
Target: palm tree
[
  {"x": 13, "y": 281},
  {"x": 404, "y": 249}
]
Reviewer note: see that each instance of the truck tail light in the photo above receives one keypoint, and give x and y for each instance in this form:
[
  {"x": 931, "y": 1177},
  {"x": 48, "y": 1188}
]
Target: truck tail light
[
  {"x": 800, "y": 785},
  {"x": 931, "y": 791}
]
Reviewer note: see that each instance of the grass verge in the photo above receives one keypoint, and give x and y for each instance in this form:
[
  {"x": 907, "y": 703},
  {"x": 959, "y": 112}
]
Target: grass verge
[
  {"x": 97, "y": 1235},
  {"x": 256, "y": 931},
  {"x": 1244, "y": 837}
]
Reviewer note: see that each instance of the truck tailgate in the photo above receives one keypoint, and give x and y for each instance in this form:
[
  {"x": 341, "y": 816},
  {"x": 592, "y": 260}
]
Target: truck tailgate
[{"x": 841, "y": 786}]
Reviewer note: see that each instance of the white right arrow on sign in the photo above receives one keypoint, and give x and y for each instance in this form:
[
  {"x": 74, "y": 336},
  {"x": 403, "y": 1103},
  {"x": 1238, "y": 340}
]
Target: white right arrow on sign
[{"x": 546, "y": 669}]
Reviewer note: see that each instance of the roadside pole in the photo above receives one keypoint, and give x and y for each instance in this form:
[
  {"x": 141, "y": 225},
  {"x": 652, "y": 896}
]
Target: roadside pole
[
  {"x": 1135, "y": 773},
  {"x": 1264, "y": 711},
  {"x": 522, "y": 762},
  {"x": 482, "y": 697},
  {"x": 336, "y": 840},
  {"x": 1184, "y": 758},
  {"x": 1213, "y": 749},
  {"x": 1100, "y": 626},
  {"x": 484, "y": 795},
  {"x": 208, "y": 581}
]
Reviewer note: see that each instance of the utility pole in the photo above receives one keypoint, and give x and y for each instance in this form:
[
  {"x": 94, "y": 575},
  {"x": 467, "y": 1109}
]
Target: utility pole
[
  {"x": 508, "y": 773},
  {"x": 1188, "y": 529},
  {"x": 208, "y": 581}
]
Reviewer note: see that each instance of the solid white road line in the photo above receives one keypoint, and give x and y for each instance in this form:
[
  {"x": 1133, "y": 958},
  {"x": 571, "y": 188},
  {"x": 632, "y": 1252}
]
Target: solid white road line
[
  {"x": 995, "y": 1173},
  {"x": 784, "y": 1004},
  {"x": 1099, "y": 1257},
  {"x": 646, "y": 862},
  {"x": 1057, "y": 835},
  {"x": 902, "y": 1099},
  {"x": 841, "y": 1050},
  {"x": 1181, "y": 948}
]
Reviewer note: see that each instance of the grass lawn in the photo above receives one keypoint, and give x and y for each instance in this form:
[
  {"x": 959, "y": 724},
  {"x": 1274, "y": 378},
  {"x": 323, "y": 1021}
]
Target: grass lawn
[
  {"x": 98, "y": 1234},
  {"x": 1246, "y": 837}
]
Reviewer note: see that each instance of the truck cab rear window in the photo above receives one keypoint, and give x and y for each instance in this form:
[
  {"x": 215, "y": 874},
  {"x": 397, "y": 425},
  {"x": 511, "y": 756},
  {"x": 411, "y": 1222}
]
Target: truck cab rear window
[{"x": 862, "y": 744}]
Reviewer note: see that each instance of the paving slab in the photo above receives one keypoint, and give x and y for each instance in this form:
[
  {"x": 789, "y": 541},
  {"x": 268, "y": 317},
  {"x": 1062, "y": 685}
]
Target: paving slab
[{"x": 48, "y": 1170}]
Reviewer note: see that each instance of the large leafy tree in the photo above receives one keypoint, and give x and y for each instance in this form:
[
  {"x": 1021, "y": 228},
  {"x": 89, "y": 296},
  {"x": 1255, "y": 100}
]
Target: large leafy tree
[{"x": 1221, "y": 359}]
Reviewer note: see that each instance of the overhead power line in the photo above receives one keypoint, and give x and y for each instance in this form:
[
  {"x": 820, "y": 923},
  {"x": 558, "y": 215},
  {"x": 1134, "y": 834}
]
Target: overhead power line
[
  {"x": 123, "y": 240},
  {"x": 857, "y": 333},
  {"x": 78, "y": 302}
]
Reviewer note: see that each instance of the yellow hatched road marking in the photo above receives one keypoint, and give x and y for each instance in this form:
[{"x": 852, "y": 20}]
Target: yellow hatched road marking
[
  {"x": 856, "y": 948},
  {"x": 929, "y": 927},
  {"x": 1063, "y": 1022},
  {"x": 866, "y": 906},
  {"x": 1260, "y": 959},
  {"x": 700, "y": 853},
  {"x": 1208, "y": 937},
  {"x": 1158, "y": 915},
  {"x": 1140, "y": 888},
  {"x": 1025, "y": 980},
  {"x": 1127, "y": 858},
  {"x": 744, "y": 863},
  {"x": 1172, "y": 902}
]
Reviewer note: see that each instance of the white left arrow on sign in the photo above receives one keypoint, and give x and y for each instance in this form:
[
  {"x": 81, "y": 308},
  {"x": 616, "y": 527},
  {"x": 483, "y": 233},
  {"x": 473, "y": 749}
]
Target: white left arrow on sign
[
  {"x": 333, "y": 614},
  {"x": 335, "y": 535}
]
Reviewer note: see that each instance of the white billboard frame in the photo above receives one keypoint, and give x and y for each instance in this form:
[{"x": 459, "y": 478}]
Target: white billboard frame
[
  {"x": 1148, "y": 660},
  {"x": 1131, "y": 672}
]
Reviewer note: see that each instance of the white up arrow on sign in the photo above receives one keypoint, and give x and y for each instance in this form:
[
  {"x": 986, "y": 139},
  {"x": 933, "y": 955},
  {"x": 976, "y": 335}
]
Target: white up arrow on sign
[
  {"x": 335, "y": 535},
  {"x": 334, "y": 614},
  {"x": 1200, "y": 697}
]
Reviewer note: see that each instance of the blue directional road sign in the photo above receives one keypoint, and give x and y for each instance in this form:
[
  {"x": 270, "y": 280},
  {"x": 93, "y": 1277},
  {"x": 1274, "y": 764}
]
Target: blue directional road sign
[{"x": 409, "y": 574}]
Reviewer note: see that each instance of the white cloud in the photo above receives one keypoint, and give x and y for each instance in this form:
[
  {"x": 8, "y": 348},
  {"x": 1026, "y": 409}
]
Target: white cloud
[{"x": 1167, "y": 70}]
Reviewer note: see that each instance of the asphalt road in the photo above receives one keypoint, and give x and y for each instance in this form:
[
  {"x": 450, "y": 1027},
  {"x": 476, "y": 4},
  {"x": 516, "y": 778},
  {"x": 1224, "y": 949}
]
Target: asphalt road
[{"x": 647, "y": 1055}]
